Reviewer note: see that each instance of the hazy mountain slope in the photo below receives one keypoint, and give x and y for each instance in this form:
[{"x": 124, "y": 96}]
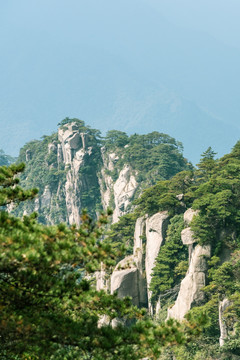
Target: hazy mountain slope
[{"x": 120, "y": 69}]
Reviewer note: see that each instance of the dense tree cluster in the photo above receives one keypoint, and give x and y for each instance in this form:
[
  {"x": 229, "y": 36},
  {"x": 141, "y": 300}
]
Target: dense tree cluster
[
  {"x": 214, "y": 190},
  {"x": 50, "y": 308}
]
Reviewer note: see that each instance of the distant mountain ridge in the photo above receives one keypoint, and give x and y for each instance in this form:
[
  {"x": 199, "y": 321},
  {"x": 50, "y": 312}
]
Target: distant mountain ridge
[{"x": 149, "y": 76}]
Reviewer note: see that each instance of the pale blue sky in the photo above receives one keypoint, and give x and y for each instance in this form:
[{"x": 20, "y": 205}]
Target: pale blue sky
[
  {"x": 218, "y": 18},
  {"x": 121, "y": 64}
]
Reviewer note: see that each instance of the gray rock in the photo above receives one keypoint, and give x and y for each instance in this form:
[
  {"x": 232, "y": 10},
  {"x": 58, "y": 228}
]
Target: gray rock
[
  {"x": 155, "y": 233},
  {"x": 73, "y": 153},
  {"x": 223, "y": 305},
  {"x": 75, "y": 141},
  {"x": 187, "y": 236},
  {"x": 138, "y": 234},
  {"x": 180, "y": 197},
  {"x": 123, "y": 189},
  {"x": 28, "y": 155},
  {"x": 189, "y": 214},
  {"x": 125, "y": 280},
  {"x": 191, "y": 286},
  {"x": 59, "y": 154},
  {"x": 52, "y": 147},
  {"x": 46, "y": 197}
]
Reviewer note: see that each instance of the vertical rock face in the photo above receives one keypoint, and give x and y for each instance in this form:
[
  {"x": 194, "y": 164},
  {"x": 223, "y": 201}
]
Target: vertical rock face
[
  {"x": 156, "y": 227},
  {"x": 124, "y": 189},
  {"x": 116, "y": 193},
  {"x": 138, "y": 234},
  {"x": 190, "y": 290},
  {"x": 69, "y": 168},
  {"x": 52, "y": 147},
  {"x": 223, "y": 305},
  {"x": 127, "y": 278},
  {"x": 105, "y": 180},
  {"x": 138, "y": 253},
  {"x": 28, "y": 155},
  {"x": 195, "y": 279},
  {"x": 82, "y": 173},
  {"x": 72, "y": 152},
  {"x": 75, "y": 153}
]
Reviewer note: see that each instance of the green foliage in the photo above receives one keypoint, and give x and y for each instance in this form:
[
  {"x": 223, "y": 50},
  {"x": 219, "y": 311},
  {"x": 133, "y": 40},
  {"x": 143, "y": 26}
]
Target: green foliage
[
  {"x": 122, "y": 232},
  {"x": 212, "y": 189},
  {"x": 115, "y": 138},
  {"x": 207, "y": 163},
  {"x": 170, "y": 264},
  {"x": 156, "y": 156},
  {"x": 5, "y": 159},
  {"x": 49, "y": 309},
  {"x": 9, "y": 189},
  {"x": 43, "y": 169},
  {"x": 163, "y": 195},
  {"x": 152, "y": 157}
]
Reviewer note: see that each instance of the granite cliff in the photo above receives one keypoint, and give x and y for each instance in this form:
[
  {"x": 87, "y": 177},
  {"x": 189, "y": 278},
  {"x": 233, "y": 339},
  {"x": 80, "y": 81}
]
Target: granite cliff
[{"x": 76, "y": 169}]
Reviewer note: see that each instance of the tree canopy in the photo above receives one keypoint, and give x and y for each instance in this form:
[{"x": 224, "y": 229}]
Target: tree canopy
[{"x": 50, "y": 308}]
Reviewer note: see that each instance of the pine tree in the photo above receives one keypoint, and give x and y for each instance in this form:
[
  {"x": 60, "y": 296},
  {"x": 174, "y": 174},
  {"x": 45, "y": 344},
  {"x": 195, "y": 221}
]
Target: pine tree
[{"x": 49, "y": 307}]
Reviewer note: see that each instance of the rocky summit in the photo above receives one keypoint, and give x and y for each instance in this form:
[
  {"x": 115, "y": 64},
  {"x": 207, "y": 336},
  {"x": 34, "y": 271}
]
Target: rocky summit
[{"x": 76, "y": 169}]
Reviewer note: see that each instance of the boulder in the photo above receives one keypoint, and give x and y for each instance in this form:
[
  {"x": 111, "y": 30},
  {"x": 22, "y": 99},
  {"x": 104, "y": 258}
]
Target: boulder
[
  {"x": 189, "y": 214},
  {"x": 125, "y": 280},
  {"x": 187, "y": 236}
]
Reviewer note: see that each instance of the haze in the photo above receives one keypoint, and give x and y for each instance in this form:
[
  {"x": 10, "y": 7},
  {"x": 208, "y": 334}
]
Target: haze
[{"x": 135, "y": 66}]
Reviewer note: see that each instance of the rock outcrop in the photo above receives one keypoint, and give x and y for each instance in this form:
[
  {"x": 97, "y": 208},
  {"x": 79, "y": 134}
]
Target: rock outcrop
[
  {"x": 70, "y": 174},
  {"x": 28, "y": 155},
  {"x": 116, "y": 192},
  {"x": 74, "y": 152},
  {"x": 191, "y": 286},
  {"x": 124, "y": 189},
  {"x": 223, "y": 305},
  {"x": 156, "y": 227},
  {"x": 189, "y": 214},
  {"x": 83, "y": 173},
  {"x": 128, "y": 277},
  {"x": 125, "y": 280}
]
